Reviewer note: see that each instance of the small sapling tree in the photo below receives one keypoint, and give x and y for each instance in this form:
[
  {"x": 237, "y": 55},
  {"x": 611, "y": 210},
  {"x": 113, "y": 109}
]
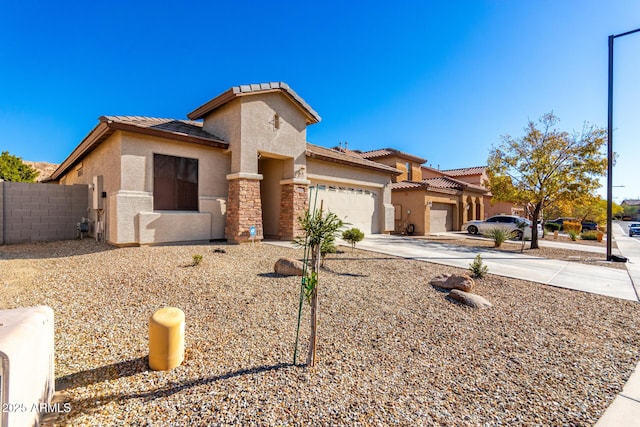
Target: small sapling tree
[
  {"x": 353, "y": 236},
  {"x": 320, "y": 228}
]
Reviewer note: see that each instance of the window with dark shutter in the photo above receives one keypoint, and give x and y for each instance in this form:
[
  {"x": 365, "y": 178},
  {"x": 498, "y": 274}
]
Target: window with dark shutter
[{"x": 175, "y": 183}]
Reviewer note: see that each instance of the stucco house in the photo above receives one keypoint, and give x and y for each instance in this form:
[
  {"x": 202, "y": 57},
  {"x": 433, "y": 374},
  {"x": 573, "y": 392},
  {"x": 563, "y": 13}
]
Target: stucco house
[
  {"x": 477, "y": 175},
  {"x": 428, "y": 200},
  {"x": 240, "y": 162}
]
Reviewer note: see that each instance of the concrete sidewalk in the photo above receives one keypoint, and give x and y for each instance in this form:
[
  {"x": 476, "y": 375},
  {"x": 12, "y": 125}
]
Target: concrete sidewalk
[
  {"x": 625, "y": 409},
  {"x": 565, "y": 274}
]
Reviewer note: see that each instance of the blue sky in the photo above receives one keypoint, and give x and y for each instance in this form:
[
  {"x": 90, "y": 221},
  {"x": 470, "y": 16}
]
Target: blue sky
[{"x": 441, "y": 80}]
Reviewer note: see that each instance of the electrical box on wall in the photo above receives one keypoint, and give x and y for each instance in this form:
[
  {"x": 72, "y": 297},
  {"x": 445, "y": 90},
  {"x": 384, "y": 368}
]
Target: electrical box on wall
[{"x": 97, "y": 199}]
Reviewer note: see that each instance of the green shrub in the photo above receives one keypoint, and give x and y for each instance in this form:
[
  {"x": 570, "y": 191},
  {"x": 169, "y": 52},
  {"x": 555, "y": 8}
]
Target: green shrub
[
  {"x": 328, "y": 246},
  {"x": 499, "y": 235},
  {"x": 477, "y": 268},
  {"x": 197, "y": 259},
  {"x": 353, "y": 236},
  {"x": 589, "y": 235},
  {"x": 573, "y": 235},
  {"x": 552, "y": 226}
]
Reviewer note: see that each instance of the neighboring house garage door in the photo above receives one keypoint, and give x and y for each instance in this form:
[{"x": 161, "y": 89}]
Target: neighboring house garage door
[
  {"x": 441, "y": 218},
  {"x": 357, "y": 206}
]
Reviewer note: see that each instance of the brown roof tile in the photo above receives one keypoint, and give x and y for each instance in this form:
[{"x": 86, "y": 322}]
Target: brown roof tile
[
  {"x": 476, "y": 170},
  {"x": 389, "y": 152},
  {"x": 408, "y": 185},
  {"x": 242, "y": 90},
  {"x": 172, "y": 126},
  {"x": 331, "y": 155}
]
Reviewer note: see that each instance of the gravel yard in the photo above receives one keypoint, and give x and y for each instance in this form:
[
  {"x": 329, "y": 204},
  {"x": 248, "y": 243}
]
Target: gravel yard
[{"x": 391, "y": 350}]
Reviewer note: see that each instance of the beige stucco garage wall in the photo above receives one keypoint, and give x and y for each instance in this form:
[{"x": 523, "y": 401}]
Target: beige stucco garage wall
[
  {"x": 322, "y": 172},
  {"x": 417, "y": 202}
]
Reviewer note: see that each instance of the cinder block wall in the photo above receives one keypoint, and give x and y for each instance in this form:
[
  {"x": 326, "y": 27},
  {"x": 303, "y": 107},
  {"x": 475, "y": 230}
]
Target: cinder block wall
[{"x": 41, "y": 212}]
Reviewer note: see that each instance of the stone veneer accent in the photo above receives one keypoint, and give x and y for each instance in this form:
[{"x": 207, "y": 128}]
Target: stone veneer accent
[
  {"x": 244, "y": 209},
  {"x": 293, "y": 202}
]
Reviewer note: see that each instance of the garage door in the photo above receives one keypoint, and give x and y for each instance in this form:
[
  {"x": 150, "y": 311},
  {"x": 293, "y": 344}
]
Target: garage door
[
  {"x": 441, "y": 217},
  {"x": 356, "y": 206}
]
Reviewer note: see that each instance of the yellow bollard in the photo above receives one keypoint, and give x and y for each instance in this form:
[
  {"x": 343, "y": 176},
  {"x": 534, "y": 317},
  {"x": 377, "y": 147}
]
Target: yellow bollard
[{"x": 166, "y": 339}]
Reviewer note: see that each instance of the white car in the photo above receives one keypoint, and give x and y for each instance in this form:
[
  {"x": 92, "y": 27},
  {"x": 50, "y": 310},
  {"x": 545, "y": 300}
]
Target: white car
[{"x": 508, "y": 222}]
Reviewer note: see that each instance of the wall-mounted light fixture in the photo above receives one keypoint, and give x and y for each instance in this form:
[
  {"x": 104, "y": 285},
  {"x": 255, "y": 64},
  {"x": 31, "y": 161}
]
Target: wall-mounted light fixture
[
  {"x": 276, "y": 121},
  {"x": 429, "y": 204}
]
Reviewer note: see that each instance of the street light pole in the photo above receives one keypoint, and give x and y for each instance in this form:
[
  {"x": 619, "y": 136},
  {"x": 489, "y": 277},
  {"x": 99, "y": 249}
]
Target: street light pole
[{"x": 610, "y": 143}]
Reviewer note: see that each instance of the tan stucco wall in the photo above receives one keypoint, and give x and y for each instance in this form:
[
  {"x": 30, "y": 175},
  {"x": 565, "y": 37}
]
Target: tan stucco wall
[
  {"x": 429, "y": 173},
  {"x": 417, "y": 202},
  {"x": 224, "y": 123},
  {"x": 412, "y": 211},
  {"x": 125, "y": 160},
  {"x": 248, "y": 124},
  {"x": 478, "y": 179},
  {"x": 495, "y": 207},
  {"x": 270, "y": 193},
  {"x": 401, "y": 164},
  {"x": 103, "y": 160},
  {"x": 259, "y": 133},
  {"x": 156, "y": 227}
]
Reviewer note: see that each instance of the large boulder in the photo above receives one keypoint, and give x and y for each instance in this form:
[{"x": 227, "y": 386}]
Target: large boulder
[
  {"x": 288, "y": 267},
  {"x": 448, "y": 281},
  {"x": 469, "y": 299}
]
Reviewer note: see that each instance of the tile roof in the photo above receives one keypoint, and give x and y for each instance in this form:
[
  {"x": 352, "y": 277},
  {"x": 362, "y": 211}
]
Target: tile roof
[
  {"x": 388, "y": 152},
  {"x": 476, "y": 170},
  {"x": 439, "y": 184},
  {"x": 409, "y": 185},
  {"x": 443, "y": 182},
  {"x": 448, "y": 182},
  {"x": 631, "y": 202},
  {"x": 252, "y": 89},
  {"x": 172, "y": 126},
  {"x": 331, "y": 155},
  {"x": 181, "y": 130}
]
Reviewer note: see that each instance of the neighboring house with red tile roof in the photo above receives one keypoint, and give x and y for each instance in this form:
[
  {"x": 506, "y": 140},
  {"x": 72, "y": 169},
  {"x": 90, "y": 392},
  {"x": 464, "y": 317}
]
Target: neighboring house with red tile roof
[
  {"x": 428, "y": 200},
  {"x": 240, "y": 164}
]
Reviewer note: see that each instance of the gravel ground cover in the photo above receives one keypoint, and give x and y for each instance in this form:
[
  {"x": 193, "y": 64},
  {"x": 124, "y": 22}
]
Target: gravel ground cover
[{"x": 392, "y": 350}]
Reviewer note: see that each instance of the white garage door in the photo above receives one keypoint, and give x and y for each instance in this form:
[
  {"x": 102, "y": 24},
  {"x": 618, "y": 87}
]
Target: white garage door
[
  {"x": 441, "y": 218},
  {"x": 357, "y": 206}
]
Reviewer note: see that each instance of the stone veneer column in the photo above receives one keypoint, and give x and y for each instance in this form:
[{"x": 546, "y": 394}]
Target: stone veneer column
[
  {"x": 244, "y": 208},
  {"x": 294, "y": 197}
]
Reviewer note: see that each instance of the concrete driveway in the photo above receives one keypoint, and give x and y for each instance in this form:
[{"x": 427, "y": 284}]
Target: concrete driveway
[{"x": 565, "y": 274}]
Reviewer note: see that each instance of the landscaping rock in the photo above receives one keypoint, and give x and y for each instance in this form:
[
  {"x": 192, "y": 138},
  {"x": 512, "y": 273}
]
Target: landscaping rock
[
  {"x": 448, "y": 281},
  {"x": 469, "y": 299},
  {"x": 288, "y": 267}
]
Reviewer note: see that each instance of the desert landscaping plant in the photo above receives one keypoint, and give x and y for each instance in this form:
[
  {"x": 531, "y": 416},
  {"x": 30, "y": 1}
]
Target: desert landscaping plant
[
  {"x": 573, "y": 235},
  {"x": 477, "y": 268},
  {"x": 590, "y": 235},
  {"x": 197, "y": 259},
  {"x": 319, "y": 228},
  {"x": 552, "y": 226},
  {"x": 353, "y": 236},
  {"x": 499, "y": 235},
  {"x": 572, "y": 226}
]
